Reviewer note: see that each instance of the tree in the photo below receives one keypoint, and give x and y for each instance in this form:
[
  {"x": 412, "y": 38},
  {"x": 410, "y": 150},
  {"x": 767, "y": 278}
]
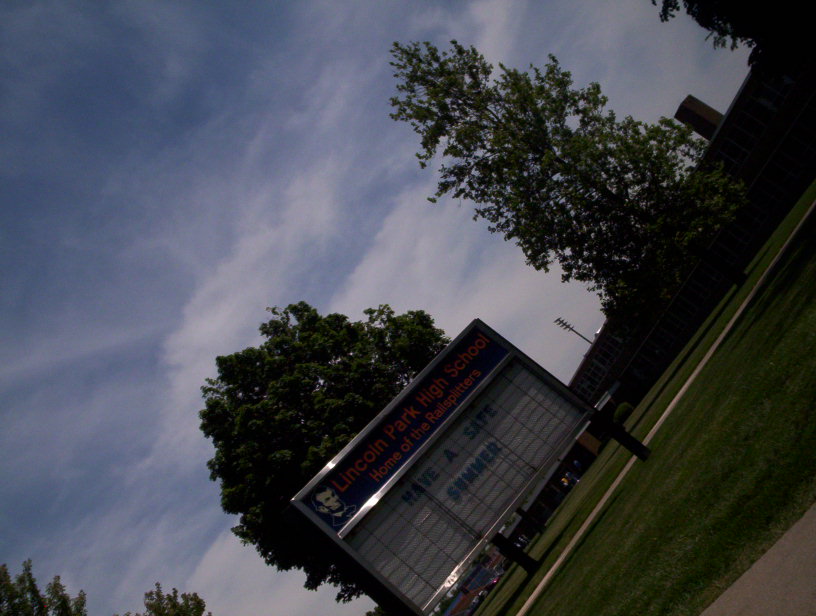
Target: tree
[
  {"x": 278, "y": 412},
  {"x": 159, "y": 604},
  {"x": 778, "y": 35},
  {"x": 619, "y": 204},
  {"x": 22, "y": 597}
]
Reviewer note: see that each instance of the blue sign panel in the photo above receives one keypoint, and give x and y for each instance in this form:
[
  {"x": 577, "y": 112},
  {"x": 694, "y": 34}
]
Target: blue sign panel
[{"x": 412, "y": 420}]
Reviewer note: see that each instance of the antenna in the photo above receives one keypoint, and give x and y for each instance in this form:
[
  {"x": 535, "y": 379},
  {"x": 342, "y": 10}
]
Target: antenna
[{"x": 563, "y": 324}]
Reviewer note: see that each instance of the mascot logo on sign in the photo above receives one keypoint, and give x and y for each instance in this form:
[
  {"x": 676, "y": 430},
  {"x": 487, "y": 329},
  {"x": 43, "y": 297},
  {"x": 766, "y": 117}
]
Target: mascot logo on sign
[{"x": 326, "y": 502}]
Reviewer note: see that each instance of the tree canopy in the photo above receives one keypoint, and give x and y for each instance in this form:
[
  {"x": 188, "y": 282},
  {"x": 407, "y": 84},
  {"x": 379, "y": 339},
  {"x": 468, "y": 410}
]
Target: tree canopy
[
  {"x": 21, "y": 596},
  {"x": 278, "y": 412},
  {"x": 778, "y": 35},
  {"x": 619, "y": 204},
  {"x": 159, "y": 603}
]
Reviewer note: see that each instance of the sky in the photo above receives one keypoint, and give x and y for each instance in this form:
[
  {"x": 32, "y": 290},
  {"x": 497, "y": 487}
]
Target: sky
[{"x": 169, "y": 170}]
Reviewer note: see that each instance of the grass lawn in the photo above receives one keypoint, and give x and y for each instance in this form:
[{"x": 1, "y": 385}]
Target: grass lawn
[{"x": 731, "y": 469}]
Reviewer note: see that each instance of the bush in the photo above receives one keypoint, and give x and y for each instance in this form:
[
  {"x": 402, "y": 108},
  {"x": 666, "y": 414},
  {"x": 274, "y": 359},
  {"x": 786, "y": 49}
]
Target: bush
[{"x": 622, "y": 412}]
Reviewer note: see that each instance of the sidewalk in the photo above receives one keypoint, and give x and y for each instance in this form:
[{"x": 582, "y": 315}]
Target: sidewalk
[{"x": 781, "y": 583}]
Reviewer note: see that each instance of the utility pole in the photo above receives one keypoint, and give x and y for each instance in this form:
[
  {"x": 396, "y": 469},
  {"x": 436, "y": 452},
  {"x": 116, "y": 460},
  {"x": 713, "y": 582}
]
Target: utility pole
[{"x": 564, "y": 325}]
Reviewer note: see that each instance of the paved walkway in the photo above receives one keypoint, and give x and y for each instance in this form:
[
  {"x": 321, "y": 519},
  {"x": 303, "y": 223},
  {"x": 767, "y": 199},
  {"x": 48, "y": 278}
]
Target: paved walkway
[{"x": 781, "y": 583}]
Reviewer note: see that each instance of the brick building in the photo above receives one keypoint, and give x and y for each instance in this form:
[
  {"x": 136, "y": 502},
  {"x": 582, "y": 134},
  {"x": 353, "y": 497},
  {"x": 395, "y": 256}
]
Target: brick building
[{"x": 767, "y": 138}]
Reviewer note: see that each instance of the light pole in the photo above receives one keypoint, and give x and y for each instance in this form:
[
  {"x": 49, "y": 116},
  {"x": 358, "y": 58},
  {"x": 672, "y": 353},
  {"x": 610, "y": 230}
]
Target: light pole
[{"x": 564, "y": 325}]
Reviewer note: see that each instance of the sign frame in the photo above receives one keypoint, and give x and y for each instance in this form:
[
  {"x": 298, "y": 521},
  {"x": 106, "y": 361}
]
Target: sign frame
[{"x": 508, "y": 352}]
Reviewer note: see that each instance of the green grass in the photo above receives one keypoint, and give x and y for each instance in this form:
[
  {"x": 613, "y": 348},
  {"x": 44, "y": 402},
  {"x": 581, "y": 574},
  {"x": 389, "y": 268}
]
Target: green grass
[{"x": 732, "y": 468}]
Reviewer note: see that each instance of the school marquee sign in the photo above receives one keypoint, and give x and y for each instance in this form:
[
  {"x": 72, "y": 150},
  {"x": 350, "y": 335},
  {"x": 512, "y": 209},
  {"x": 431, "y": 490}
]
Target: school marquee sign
[{"x": 420, "y": 491}]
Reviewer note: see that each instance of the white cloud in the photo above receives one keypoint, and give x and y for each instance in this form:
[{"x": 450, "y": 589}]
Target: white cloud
[
  {"x": 235, "y": 581},
  {"x": 329, "y": 101},
  {"x": 227, "y": 306},
  {"x": 645, "y": 67},
  {"x": 437, "y": 259},
  {"x": 497, "y": 20},
  {"x": 59, "y": 347},
  {"x": 153, "y": 533}
]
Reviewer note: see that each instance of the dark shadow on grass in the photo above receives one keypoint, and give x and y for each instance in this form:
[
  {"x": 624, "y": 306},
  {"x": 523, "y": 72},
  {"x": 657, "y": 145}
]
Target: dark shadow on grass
[
  {"x": 552, "y": 545},
  {"x": 679, "y": 363},
  {"x": 788, "y": 273},
  {"x": 505, "y": 606},
  {"x": 592, "y": 526}
]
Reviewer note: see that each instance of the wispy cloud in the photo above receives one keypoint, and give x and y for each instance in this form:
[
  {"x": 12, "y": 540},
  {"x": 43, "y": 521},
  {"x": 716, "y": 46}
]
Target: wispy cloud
[
  {"x": 229, "y": 569},
  {"x": 434, "y": 257},
  {"x": 169, "y": 171}
]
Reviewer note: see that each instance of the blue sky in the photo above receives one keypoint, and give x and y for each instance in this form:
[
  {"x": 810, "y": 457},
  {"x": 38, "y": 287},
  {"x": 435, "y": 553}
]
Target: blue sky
[{"x": 170, "y": 169}]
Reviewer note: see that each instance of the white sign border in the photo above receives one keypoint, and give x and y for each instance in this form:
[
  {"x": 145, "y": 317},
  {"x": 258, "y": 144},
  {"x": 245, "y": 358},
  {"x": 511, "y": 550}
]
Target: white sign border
[{"x": 547, "y": 469}]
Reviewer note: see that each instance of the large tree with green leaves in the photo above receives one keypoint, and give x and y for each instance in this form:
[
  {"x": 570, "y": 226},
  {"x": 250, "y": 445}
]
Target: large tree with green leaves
[
  {"x": 278, "y": 412},
  {"x": 619, "y": 204}
]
